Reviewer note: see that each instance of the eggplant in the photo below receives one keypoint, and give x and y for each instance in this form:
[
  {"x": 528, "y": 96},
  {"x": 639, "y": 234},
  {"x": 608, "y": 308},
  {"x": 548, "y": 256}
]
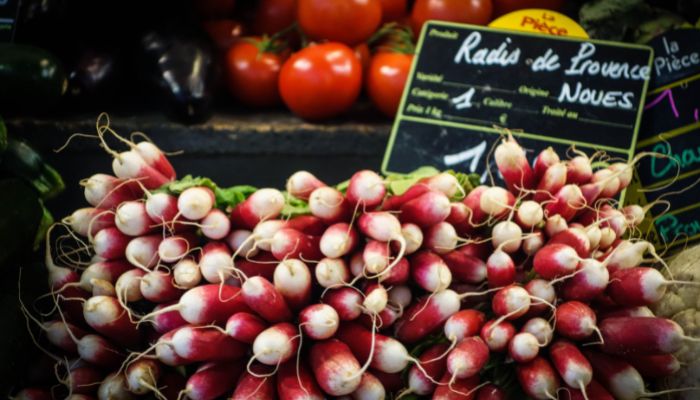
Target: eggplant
[
  {"x": 93, "y": 75},
  {"x": 183, "y": 67}
]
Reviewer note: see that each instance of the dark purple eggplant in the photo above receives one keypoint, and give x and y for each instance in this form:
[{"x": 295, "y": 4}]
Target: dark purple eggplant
[{"x": 184, "y": 68}]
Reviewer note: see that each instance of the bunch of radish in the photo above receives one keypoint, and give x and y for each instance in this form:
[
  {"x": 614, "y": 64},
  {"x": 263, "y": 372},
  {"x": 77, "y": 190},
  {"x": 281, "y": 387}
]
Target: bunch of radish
[{"x": 434, "y": 291}]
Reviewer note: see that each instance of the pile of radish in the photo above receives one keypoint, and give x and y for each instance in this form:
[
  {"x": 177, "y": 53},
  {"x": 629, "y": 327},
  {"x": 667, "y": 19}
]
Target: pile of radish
[{"x": 539, "y": 289}]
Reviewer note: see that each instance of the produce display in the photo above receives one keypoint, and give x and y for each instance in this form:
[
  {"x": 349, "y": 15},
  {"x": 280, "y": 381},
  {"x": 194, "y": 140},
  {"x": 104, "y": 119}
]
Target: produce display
[{"x": 422, "y": 285}]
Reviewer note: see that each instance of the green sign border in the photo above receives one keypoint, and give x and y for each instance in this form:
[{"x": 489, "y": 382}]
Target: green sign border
[{"x": 400, "y": 115}]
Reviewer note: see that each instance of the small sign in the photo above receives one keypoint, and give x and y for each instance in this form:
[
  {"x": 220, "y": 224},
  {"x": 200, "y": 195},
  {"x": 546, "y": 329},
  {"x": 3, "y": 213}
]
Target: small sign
[
  {"x": 671, "y": 128},
  {"x": 537, "y": 20},
  {"x": 469, "y": 83},
  {"x": 8, "y": 19}
]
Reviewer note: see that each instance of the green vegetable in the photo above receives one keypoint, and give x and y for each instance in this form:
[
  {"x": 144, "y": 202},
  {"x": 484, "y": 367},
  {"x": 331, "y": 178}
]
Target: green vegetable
[
  {"x": 30, "y": 77},
  {"x": 21, "y": 160}
]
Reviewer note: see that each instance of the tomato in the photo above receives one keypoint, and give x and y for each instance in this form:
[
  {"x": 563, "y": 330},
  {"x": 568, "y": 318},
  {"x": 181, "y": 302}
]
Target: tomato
[
  {"x": 252, "y": 73},
  {"x": 393, "y": 10},
  {"x": 223, "y": 32},
  {"x": 272, "y": 16},
  {"x": 346, "y": 21},
  {"x": 386, "y": 79},
  {"x": 321, "y": 81},
  {"x": 501, "y": 7},
  {"x": 363, "y": 54},
  {"x": 476, "y": 12},
  {"x": 214, "y": 8}
]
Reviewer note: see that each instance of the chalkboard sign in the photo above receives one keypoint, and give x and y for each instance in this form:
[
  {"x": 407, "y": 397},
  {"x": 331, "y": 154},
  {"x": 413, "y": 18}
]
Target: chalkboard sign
[
  {"x": 469, "y": 83},
  {"x": 671, "y": 128}
]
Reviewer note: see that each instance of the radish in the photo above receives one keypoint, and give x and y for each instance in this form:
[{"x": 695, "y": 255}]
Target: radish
[
  {"x": 467, "y": 358},
  {"x": 506, "y": 236},
  {"x": 463, "y": 324},
  {"x": 399, "y": 274},
  {"x": 276, "y": 344},
  {"x": 610, "y": 183},
  {"x": 500, "y": 269},
  {"x": 130, "y": 165},
  {"x": 376, "y": 298},
  {"x": 332, "y": 272},
  {"x": 108, "y": 271},
  {"x": 166, "y": 322},
  {"x": 555, "y": 260},
  {"x": 555, "y": 224},
  {"x": 295, "y": 382},
  {"x": 255, "y": 383},
  {"x": 491, "y": 392},
  {"x": 370, "y": 388},
  {"x": 641, "y": 335},
  {"x": 302, "y": 183},
  {"x": 83, "y": 379},
  {"x": 607, "y": 237},
  {"x": 568, "y": 201},
  {"x": 529, "y": 215},
  {"x": 63, "y": 335},
  {"x": 113, "y": 387},
  {"x": 544, "y": 160},
  {"x": 590, "y": 280},
  {"x": 552, "y": 181},
  {"x": 541, "y": 329},
  {"x": 579, "y": 170},
  {"x": 330, "y": 205},
  {"x": 430, "y": 272},
  {"x": 511, "y": 302},
  {"x": 383, "y": 353},
  {"x": 142, "y": 251},
  {"x": 624, "y": 173},
  {"x": 400, "y": 296},
  {"x": 575, "y": 320},
  {"x": 375, "y": 256},
  {"x": 459, "y": 216},
  {"x": 106, "y": 192},
  {"x": 186, "y": 274},
  {"x": 538, "y": 379},
  {"x": 654, "y": 366},
  {"x": 215, "y": 225},
  {"x": 391, "y": 382},
  {"x": 523, "y": 347},
  {"x": 413, "y": 237},
  {"x": 456, "y": 389},
  {"x": 216, "y": 262},
  {"x": 641, "y": 311},
  {"x": 338, "y": 240},
  {"x": 641, "y": 286},
  {"x": 307, "y": 224},
  {"x": 162, "y": 208},
  {"x": 174, "y": 248},
  {"x": 634, "y": 214},
  {"x": 195, "y": 343},
  {"x": 99, "y": 351},
  {"x": 319, "y": 321},
  {"x": 366, "y": 188},
  {"x": 572, "y": 366},
  {"x": 142, "y": 376},
  {"x": 594, "y": 235},
  {"x": 263, "y": 298},
  {"x": 336, "y": 370},
  {"x": 346, "y": 301},
  {"x": 465, "y": 268},
  {"x": 106, "y": 316},
  {"x": 496, "y": 201},
  {"x": 574, "y": 237},
  {"x": 594, "y": 390},
  {"x": 245, "y": 327},
  {"x": 623, "y": 381},
  {"x": 165, "y": 351},
  {"x": 627, "y": 255},
  {"x": 194, "y": 203},
  {"x": 212, "y": 380},
  {"x": 88, "y": 221},
  {"x": 513, "y": 165},
  {"x": 292, "y": 279},
  {"x": 394, "y": 203},
  {"x": 533, "y": 242},
  {"x": 496, "y": 334},
  {"x": 240, "y": 241},
  {"x": 441, "y": 238},
  {"x": 445, "y": 183},
  {"x": 291, "y": 243},
  {"x": 426, "y": 210},
  {"x": 131, "y": 218},
  {"x": 383, "y": 227},
  {"x": 426, "y": 316},
  {"x": 542, "y": 294},
  {"x": 157, "y": 287},
  {"x": 101, "y": 287},
  {"x": 110, "y": 243},
  {"x": 155, "y": 158},
  {"x": 421, "y": 381},
  {"x": 473, "y": 203},
  {"x": 207, "y": 304}
]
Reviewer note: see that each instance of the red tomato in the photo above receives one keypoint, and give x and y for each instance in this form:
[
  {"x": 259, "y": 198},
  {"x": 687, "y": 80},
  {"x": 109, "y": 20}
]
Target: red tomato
[
  {"x": 271, "y": 16},
  {"x": 363, "y": 54},
  {"x": 476, "y": 12},
  {"x": 386, "y": 78},
  {"x": 321, "y": 81},
  {"x": 214, "y": 8},
  {"x": 252, "y": 75},
  {"x": 501, "y": 7},
  {"x": 346, "y": 21},
  {"x": 393, "y": 10},
  {"x": 223, "y": 32}
]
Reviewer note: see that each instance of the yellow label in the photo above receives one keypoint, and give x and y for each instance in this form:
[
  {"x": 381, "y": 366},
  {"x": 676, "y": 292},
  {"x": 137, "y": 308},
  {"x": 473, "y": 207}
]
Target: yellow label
[{"x": 542, "y": 21}]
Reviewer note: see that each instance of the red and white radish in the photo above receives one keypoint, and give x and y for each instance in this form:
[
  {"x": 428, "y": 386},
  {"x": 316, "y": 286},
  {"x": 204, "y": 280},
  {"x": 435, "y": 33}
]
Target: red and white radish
[
  {"x": 110, "y": 243},
  {"x": 107, "y": 192},
  {"x": 195, "y": 203},
  {"x": 575, "y": 320},
  {"x": 276, "y": 344},
  {"x": 426, "y": 316},
  {"x": 500, "y": 269},
  {"x": 338, "y": 240},
  {"x": 106, "y": 316},
  {"x": 426, "y": 210},
  {"x": 513, "y": 166},
  {"x": 142, "y": 251},
  {"x": 430, "y": 272},
  {"x": 555, "y": 260},
  {"x": 346, "y": 301},
  {"x": 186, "y": 274},
  {"x": 212, "y": 380},
  {"x": 319, "y": 321},
  {"x": 540, "y": 328},
  {"x": 302, "y": 183},
  {"x": 467, "y": 358},
  {"x": 330, "y": 205},
  {"x": 195, "y": 343},
  {"x": 641, "y": 335},
  {"x": 538, "y": 379},
  {"x": 215, "y": 225},
  {"x": 553, "y": 179},
  {"x": 523, "y": 347},
  {"x": 263, "y": 298},
  {"x": 336, "y": 369},
  {"x": 88, "y": 221},
  {"x": 366, "y": 188},
  {"x": 295, "y": 382},
  {"x": 131, "y": 218},
  {"x": 571, "y": 364}
]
